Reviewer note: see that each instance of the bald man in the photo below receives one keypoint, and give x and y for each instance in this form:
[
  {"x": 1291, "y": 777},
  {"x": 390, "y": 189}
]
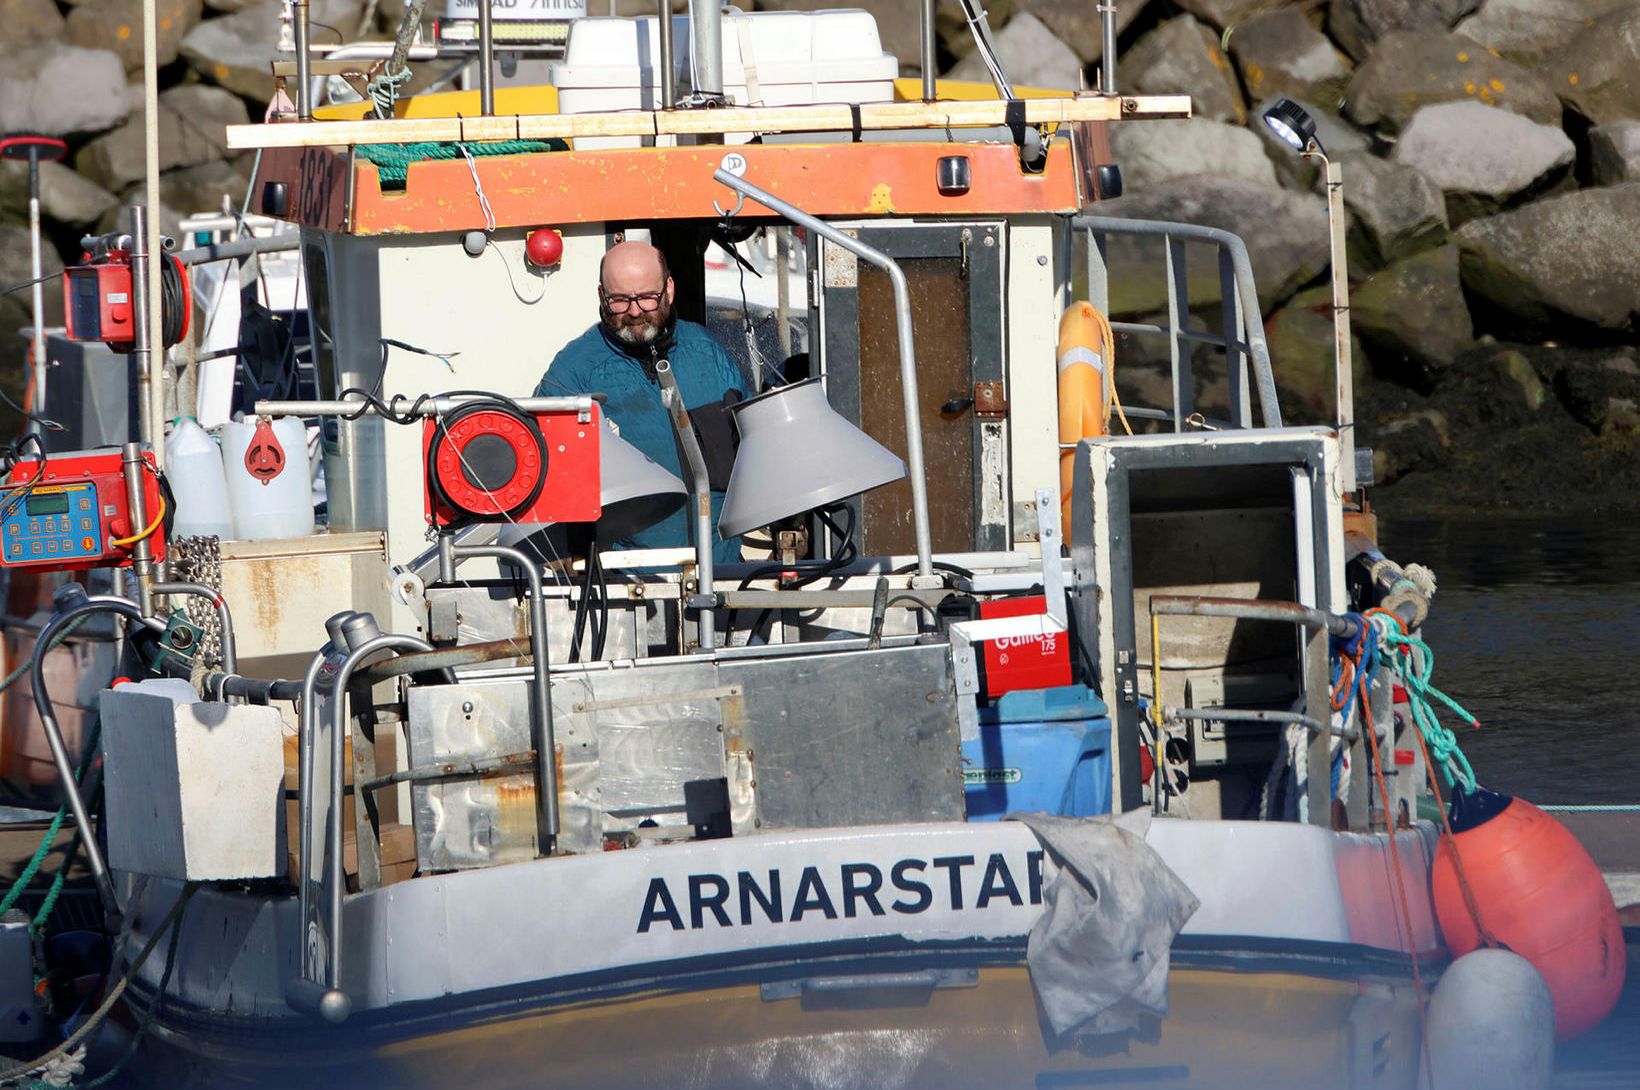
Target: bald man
[{"x": 617, "y": 357}]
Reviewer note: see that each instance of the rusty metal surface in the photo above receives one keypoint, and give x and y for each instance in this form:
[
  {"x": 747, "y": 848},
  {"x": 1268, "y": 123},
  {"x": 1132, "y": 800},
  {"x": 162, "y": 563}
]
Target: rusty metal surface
[{"x": 1252, "y": 609}]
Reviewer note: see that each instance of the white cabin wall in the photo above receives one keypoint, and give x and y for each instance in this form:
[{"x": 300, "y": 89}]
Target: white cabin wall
[
  {"x": 433, "y": 295},
  {"x": 1033, "y": 377}
]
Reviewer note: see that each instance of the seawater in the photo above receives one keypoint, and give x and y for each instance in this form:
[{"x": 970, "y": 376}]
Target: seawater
[{"x": 1535, "y": 627}]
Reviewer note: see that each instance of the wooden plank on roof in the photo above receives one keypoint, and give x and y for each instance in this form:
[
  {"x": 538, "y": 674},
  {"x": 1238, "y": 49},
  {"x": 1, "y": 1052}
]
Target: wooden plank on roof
[{"x": 825, "y": 117}]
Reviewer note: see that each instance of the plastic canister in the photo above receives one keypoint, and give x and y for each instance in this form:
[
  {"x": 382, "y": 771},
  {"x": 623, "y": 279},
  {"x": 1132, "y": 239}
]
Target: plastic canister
[
  {"x": 270, "y": 487},
  {"x": 1044, "y": 750},
  {"x": 193, "y": 462}
]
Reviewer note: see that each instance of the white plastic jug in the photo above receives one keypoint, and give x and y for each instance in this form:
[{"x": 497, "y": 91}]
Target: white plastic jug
[
  {"x": 269, "y": 480},
  {"x": 193, "y": 463}
]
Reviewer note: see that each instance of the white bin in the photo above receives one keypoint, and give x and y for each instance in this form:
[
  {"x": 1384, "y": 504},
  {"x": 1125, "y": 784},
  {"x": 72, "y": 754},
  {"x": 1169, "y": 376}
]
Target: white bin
[{"x": 770, "y": 58}]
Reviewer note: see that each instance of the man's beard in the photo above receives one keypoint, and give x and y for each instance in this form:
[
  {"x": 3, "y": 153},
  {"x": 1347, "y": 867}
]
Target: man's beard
[{"x": 640, "y": 329}]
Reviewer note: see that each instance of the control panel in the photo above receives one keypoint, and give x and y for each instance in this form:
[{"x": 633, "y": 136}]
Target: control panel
[
  {"x": 52, "y": 522},
  {"x": 72, "y": 512}
]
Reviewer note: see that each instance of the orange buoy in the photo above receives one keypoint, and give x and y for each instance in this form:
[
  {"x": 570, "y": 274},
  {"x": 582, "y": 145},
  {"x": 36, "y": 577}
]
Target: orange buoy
[
  {"x": 1084, "y": 388},
  {"x": 1536, "y": 892}
]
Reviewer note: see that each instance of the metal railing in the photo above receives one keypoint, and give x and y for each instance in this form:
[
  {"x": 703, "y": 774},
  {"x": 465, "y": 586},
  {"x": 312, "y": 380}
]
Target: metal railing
[
  {"x": 1241, "y": 333},
  {"x": 1316, "y": 718}
]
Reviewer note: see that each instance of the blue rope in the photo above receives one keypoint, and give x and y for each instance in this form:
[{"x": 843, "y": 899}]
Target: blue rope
[{"x": 1417, "y": 665}]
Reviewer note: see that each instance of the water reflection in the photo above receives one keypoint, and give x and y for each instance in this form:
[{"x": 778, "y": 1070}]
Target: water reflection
[{"x": 1532, "y": 629}]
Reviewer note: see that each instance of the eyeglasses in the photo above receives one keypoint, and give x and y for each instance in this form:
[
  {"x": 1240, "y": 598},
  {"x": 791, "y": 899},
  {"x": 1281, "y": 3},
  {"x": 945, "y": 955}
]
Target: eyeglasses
[{"x": 645, "y": 301}]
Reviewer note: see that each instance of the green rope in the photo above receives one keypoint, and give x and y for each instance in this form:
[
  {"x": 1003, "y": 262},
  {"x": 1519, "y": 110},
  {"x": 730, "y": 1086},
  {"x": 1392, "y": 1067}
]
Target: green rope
[
  {"x": 393, "y": 160},
  {"x": 1416, "y": 665}
]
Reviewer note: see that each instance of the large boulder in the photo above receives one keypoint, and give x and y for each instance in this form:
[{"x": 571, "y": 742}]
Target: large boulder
[
  {"x": 16, "y": 311},
  {"x": 1075, "y": 22},
  {"x": 1412, "y": 317},
  {"x": 192, "y": 129},
  {"x": 116, "y": 25},
  {"x": 951, "y": 26},
  {"x": 61, "y": 89},
  {"x": 65, "y": 196},
  {"x": 1410, "y": 70},
  {"x": 1301, "y": 338},
  {"x": 1030, "y": 54},
  {"x": 1282, "y": 53},
  {"x": 1598, "y": 72},
  {"x": 1182, "y": 56},
  {"x": 1225, "y": 14},
  {"x": 1483, "y": 158},
  {"x": 1407, "y": 443},
  {"x": 237, "y": 51},
  {"x": 1575, "y": 255},
  {"x": 1526, "y": 30},
  {"x": 1285, "y": 234},
  {"x": 1156, "y": 151},
  {"x": 1359, "y": 25},
  {"x": 30, "y": 21},
  {"x": 1614, "y": 153},
  {"x": 1602, "y": 394},
  {"x": 1395, "y": 210}
]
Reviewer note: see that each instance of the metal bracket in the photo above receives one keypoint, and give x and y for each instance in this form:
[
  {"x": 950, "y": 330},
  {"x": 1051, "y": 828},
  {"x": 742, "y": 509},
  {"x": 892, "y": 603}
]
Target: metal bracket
[{"x": 1053, "y": 566}]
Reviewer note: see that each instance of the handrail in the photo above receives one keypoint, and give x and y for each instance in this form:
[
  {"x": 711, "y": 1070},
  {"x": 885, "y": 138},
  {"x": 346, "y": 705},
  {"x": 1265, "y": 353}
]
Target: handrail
[
  {"x": 908, "y": 352},
  {"x": 326, "y": 999},
  {"x": 1243, "y": 320}
]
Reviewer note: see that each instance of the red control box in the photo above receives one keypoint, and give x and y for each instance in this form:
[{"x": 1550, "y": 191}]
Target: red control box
[
  {"x": 70, "y": 513},
  {"x": 97, "y": 303},
  {"x": 1024, "y": 662},
  {"x": 486, "y": 465}
]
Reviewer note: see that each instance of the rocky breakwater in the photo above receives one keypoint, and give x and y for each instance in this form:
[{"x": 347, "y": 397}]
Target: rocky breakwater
[{"x": 1491, "y": 154}]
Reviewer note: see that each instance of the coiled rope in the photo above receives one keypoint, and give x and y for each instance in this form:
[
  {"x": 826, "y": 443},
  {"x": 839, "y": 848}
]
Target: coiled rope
[{"x": 1415, "y": 663}]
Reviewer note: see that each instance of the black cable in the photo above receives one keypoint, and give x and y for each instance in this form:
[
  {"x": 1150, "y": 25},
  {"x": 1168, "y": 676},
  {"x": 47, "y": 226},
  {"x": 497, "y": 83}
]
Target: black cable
[
  {"x": 31, "y": 283},
  {"x": 578, "y": 630},
  {"x": 808, "y": 570},
  {"x": 938, "y": 565},
  {"x": 601, "y": 631}
]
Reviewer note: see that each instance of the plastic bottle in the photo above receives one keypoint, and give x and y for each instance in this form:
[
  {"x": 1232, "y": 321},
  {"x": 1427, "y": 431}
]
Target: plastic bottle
[
  {"x": 270, "y": 486},
  {"x": 194, "y": 464}
]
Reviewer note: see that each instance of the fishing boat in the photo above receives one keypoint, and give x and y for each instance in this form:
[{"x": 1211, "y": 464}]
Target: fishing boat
[{"x": 1010, "y": 751}]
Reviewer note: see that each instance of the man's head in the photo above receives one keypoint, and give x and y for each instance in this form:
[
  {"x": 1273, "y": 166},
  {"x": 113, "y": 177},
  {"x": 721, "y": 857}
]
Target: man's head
[{"x": 635, "y": 293}]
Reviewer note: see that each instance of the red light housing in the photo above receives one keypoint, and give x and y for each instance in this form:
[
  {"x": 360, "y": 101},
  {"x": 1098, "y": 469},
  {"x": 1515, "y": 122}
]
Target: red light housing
[{"x": 544, "y": 248}]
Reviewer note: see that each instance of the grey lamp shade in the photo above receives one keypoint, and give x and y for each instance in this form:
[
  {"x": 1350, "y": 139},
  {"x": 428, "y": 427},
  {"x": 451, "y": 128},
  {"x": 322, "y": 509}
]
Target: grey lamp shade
[
  {"x": 796, "y": 454},
  {"x": 636, "y": 492}
]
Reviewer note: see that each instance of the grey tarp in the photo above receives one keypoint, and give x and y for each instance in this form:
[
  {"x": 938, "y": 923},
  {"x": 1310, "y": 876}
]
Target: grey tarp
[{"x": 1098, "y": 956}]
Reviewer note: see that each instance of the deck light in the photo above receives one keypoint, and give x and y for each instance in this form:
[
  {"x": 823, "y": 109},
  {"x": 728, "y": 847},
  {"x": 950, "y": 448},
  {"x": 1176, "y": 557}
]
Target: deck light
[
  {"x": 1291, "y": 124},
  {"x": 796, "y": 454},
  {"x": 544, "y": 248}
]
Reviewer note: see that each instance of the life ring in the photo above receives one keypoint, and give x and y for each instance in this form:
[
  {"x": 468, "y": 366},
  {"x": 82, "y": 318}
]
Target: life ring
[{"x": 1086, "y": 387}]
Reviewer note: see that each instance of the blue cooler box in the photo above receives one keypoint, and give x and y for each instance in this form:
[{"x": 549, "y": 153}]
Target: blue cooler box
[{"x": 1045, "y": 750}]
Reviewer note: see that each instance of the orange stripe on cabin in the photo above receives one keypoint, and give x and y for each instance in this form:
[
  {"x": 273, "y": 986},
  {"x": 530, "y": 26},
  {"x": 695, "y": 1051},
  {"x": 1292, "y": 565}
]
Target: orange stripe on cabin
[{"x": 553, "y": 188}]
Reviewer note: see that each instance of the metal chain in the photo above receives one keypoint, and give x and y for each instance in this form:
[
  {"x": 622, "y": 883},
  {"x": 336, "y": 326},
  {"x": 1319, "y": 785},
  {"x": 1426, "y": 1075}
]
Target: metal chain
[{"x": 199, "y": 560}]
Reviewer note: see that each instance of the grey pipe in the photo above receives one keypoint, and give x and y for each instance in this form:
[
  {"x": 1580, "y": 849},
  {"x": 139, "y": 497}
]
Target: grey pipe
[
  {"x": 1257, "y": 715},
  {"x": 1253, "y": 609},
  {"x": 54, "y": 735},
  {"x": 930, "y": 63},
  {"x": 541, "y": 732},
  {"x": 486, "y": 58},
  {"x": 330, "y": 1007},
  {"x": 142, "y": 552},
  {"x": 240, "y": 247},
  {"x": 1246, "y": 292},
  {"x": 300, "y": 993},
  {"x": 701, "y": 489},
  {"x": 1107, "y": 57},
  {"x": 230, "y": 652},
  {"x": 304, "y": 76},
  {"x": 706, "y": 39},
  {"x": 908, "y": 351},
  {"x": 433, "y": 406},
  {"x": 663, "y": 36}
]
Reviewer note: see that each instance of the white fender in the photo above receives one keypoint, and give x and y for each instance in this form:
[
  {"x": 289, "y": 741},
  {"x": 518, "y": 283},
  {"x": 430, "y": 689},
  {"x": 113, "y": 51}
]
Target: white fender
[{"x": 1492, "y": 1024}]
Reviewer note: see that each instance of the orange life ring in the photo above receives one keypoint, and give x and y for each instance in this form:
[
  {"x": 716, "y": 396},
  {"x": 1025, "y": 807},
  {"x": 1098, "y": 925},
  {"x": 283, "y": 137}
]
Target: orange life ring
[
  {"x": 1539, "y": 894},
  {"x": 1085, "y": 388}
]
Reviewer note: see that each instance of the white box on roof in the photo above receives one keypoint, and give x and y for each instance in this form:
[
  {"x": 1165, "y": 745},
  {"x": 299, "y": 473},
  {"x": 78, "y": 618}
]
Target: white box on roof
[{"x": 770, "y": 58}]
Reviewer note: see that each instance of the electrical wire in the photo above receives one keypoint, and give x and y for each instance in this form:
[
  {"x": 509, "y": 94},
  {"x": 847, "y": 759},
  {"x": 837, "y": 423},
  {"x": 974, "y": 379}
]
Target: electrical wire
[{"x": 125, "y": 542}]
